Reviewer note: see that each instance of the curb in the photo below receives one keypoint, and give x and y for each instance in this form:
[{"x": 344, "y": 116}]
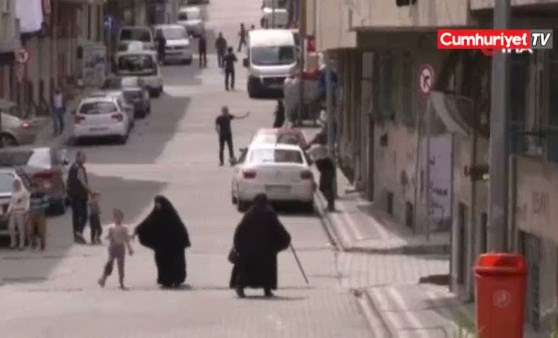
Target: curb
[
  {"x": 376, "y": 321},
  {"x": 344, "y": 242}
]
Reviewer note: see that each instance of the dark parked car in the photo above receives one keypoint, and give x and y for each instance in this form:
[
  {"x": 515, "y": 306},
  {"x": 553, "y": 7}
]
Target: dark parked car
[
  {"x": 47, "y": 164},
  {"x": 135, "y": 92}
]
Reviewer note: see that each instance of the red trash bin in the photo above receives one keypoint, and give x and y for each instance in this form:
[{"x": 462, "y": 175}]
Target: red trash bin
[{"x": 500, "y": 295}]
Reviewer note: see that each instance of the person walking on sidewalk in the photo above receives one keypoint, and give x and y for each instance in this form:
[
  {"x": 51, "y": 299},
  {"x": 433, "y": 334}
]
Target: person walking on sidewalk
[
  {"x": 17, "y": 214},
  {"x": 229, "y": 60},
  {"x": 58, "y": 112},
  {"x": 161, "y": 46},
  {"x": 224, "y": 130},
  {"x": 202, "y": 50},
  {"x": 38, "y": 205},
  {"x": 95, "y": 219},
  {"x": 258, "y": 239},
  {"x": 78, "y": 192},
  {"x": 221, "y": 47},
  {"x": 279, "y": 114},
  {"x": 242, "y": 35},
  {"x": 326, "y": 166},
  {"x": 119, "y": 240}
]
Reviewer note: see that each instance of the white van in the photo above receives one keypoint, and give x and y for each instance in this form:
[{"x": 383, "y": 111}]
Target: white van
[
  {"x": 128, "y": 34},
  {"x": 141, "y": 63},
  {"x": 272, "y": 57}
]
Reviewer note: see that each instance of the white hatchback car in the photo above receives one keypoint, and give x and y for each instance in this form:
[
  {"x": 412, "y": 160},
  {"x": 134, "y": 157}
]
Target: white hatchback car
[
  {"x": 278, "y": 170},
  {"x": 102, "y": 116}
]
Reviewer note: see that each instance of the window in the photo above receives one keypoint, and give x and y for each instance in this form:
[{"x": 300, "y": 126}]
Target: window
[
  {"x": 174, "y": 33},
  {"x": 6, "y": 6},
  {"x": 40, "y": 158},
  {"x": 273, "y": 55},
  {"x": 133, "y": 34},
  {"x": 182, "y": 16},
  {"x": 275, "y": 156},
  {"x": 407, "y": 94},
  {"x": 15, "y": 158},
  {"x": 97, "y": 108},
  {"x": 386, "y": 87},
  {"x": 143, "y": 64}
]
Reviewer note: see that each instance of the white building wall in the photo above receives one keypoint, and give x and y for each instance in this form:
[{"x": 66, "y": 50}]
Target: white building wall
[{"x": 488, "y": 4}]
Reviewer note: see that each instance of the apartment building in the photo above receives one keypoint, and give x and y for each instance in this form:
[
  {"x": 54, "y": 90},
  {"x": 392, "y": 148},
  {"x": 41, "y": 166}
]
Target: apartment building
[
  {"x": 9, "y": 43},
  {"x": 388, "y": 127}
]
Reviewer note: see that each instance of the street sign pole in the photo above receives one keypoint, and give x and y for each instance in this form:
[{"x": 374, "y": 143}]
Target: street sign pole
[
  {"x": 499, "y": 139},
  {"x": 426, "y": 83}
]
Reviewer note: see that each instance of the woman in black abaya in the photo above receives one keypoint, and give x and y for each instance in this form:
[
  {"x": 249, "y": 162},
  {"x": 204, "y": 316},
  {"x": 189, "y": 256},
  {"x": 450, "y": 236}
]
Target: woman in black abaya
[
  {"x": 164, "y": 232},
  {"x": 258, "y": 239}
]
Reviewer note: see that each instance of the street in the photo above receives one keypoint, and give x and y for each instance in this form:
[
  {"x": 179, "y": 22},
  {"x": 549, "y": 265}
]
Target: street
[{"x": 174, "y": 152}]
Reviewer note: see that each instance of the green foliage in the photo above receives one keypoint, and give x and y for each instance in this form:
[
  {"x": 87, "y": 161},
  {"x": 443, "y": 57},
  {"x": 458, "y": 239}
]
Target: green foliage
[{"x": 466, "y": 329}]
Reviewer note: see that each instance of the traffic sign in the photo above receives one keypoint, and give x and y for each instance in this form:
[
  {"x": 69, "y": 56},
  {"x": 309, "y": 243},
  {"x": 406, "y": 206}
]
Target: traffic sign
[
  {"x": 22, "y": 55},
  {"x": 426, "y": 79}
]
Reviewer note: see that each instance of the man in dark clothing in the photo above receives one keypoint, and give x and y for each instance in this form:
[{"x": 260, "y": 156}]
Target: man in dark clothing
[
  {"x": 229, "y": 59},
  {"x": 202, "y": 49},
  {"x": 224, "y": 130},
  {"x": 221, "y": 47},
  {"x": 78, "y": 192},
  {"x": 258, "y": 239},
  {"x": 326, "y": 166},
  {"x": 161, "y": 46},
  {"x": 242, "y": 34},
  {"x": 279, "y": 115}
]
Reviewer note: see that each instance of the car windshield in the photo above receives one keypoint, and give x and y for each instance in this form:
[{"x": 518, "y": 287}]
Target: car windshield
[
  {"x": 273, "y": 55},
  {"x": 15, "y": 158},
  {"x": 275, "y": 156},
  {"x": 138, "y": 64},
  {"x": 97, "y": 108},
  {"x": 189, "y": 15},
  {"x": 281, "y": 138},
  {"x": 174, "y": 33},
  {"x": 112, "y": 83},
  {"x": 142, "y": 35},
  {"x": 6, "y": 181}
]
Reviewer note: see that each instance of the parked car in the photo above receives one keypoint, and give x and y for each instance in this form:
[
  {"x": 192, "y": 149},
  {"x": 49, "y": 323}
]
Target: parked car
[
  {"x": 47, "y": 164},
  {"x": 102, "y": 116},
  {"x": 135, "y": 92},
  {"x": 192, "y": 19},
  {"x": 142, "y": 64},
  {"x": 178, "y": 46},
  {"x": 7, "y": 176},
  {"x": 279, "y": 170},
  {"x": 129, "y": 34},
  {"x": 14, "y": 130}
]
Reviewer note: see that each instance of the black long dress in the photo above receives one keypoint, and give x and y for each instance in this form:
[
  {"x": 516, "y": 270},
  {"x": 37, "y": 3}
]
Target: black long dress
[
  {"x": 164, "y": 232},
  {"x": 258, "y": 239}
]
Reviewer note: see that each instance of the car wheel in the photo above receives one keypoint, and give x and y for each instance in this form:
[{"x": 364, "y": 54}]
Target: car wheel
[
  {"x": 242, "y": 206},
  {"x": 8, "y": 140}
]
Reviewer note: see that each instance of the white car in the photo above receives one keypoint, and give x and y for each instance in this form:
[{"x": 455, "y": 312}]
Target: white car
[
  {"x": 275, "y": 18},
  {"x": 178, "y": 46},
  {"x": 281, "y": 171},
  {"x": 102, "y": 116},
  {"x": 129, "y": 34},
  {"x": 191, "y": 18},
  {"x": 142, "y": 64}
]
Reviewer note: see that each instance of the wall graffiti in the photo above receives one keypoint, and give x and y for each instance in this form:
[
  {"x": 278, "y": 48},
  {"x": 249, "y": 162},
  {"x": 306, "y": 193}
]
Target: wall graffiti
[
  {"x": 440, "y": 183},
  {"x": 539, "y": 202}
]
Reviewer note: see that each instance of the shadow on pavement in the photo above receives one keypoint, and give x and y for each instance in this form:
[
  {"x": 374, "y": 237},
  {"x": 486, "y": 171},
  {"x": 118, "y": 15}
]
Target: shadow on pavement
[
  {"x": 132, "y": 196},
  {"x": 274, "y": 298}
]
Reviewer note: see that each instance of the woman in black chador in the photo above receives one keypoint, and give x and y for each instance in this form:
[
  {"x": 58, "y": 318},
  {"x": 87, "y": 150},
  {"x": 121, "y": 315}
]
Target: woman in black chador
[
  {"x": 164, "y": 232},
  {"x": 258, "y": 239}
]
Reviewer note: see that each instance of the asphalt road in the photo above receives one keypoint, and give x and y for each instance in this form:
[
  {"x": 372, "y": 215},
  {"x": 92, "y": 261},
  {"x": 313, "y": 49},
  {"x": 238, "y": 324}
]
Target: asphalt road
[{"x": 174, "y": 152}]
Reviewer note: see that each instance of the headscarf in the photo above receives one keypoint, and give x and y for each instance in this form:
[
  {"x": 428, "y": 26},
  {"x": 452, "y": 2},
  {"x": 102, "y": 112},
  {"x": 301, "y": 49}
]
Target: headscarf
[{"x": 163, "y": 227}]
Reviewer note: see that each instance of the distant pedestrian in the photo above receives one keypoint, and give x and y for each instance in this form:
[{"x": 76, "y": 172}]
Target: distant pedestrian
[
  {"x": 119, "y": 240},
  {"x": 326, "y": 166},
  {"x": 258, "y": 239},
  {"x": 17, "y": 214},
  {"x": 164, "y": 232},
  {"x": 38, "y": 205},
  {"x": 95, "y": 219},
  {"x": 224, "y": 130},
  {"x": 161, "y": 46},
  {"x": 279, "y": 115},
  {"x": 243, "y": 34},
  {"x": 221, "y": 47},
  {"x": 78, "y": 192},
  {"x": 229, "y": 59},
  {"x": 58, "y": 112},
  {"x": 202, "y": 50},
  {"x": 291, "y": 96}
]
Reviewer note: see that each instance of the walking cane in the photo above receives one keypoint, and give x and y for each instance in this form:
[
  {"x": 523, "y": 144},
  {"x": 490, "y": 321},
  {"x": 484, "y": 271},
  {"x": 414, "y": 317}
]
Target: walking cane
[{"x": 299, "y": 265}]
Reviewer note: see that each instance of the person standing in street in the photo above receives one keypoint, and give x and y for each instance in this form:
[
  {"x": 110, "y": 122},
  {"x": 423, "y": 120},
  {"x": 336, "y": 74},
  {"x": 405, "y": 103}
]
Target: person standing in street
[
  {"x": 224, "y": 130},
  {"x": 161, "y": 46},
  {"x": 229, "y": 60},
  {"x": 17, "y": 215},
  {"x": 279, "y": 115},
  {"x": 78, "y": 192},
  {"x": 242, "y": 37},
  {"x": 95, "y": 219},
  {"x": 202, "y": 50},
  {"x": 38, "y": 205},
  {"x": 164, "y": 232},
  {"x": 258, "y": 239},
  {"x": 58, "y": 112},
  {"x": 119, "y": 240},
  {"x": 326, "y": 166},
  {"x": 221, "y": 47}
]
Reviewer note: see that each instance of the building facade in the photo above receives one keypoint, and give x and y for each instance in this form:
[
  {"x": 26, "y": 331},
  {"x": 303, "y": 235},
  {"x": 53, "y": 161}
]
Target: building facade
[
  {"x": 388, "y": 127},
  {"x": 9, "y": 44}
]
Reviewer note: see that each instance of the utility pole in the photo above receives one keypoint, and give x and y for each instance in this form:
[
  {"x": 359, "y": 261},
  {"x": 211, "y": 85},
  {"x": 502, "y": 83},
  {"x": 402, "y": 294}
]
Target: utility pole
[
  {"x": 329, "y": 108},
  {"x": 499, "y": 139},
  {"x": 300, "y": 110}
]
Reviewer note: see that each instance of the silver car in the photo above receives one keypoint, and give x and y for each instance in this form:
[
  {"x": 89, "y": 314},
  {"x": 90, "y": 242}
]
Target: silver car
[
  {"x": 15, "y": 131},
  {"x": 192, "y": 19},
  {"x": 135, "y": 92}
]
